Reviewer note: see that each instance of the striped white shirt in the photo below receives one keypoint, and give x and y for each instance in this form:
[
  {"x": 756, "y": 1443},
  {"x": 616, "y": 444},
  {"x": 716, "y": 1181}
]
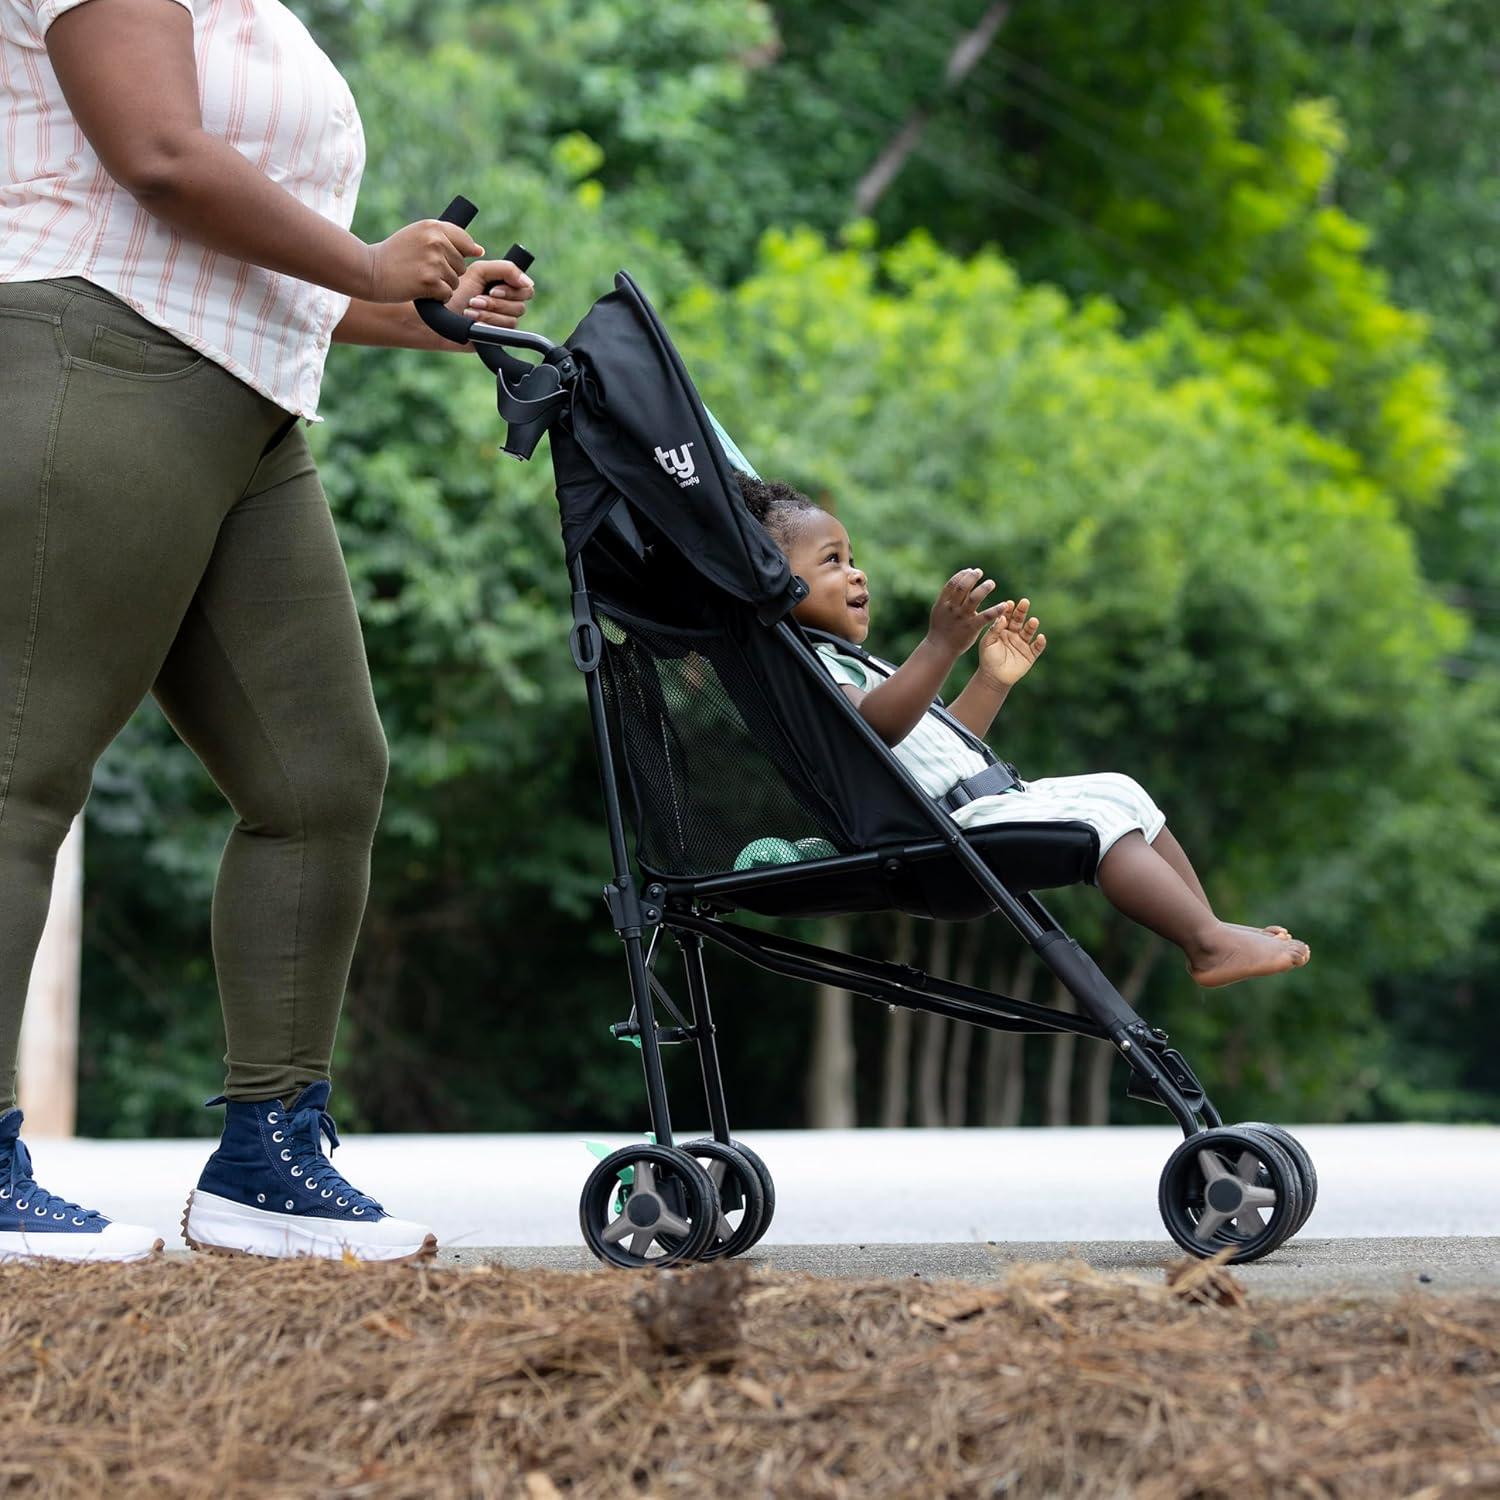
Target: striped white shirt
[{"x": 267, "y": 89}]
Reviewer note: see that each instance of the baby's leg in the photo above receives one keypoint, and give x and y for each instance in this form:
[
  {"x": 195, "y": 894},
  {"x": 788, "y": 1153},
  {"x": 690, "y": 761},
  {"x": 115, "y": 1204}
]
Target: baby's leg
[
  {"x": 1144, "y": 870},
  {"x": 1141, "y": 883},
  {"x": 1175, "y": 855}
]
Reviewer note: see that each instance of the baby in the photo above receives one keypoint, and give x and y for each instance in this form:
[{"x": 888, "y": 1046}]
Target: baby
[{"x": 1142, "y": 868}]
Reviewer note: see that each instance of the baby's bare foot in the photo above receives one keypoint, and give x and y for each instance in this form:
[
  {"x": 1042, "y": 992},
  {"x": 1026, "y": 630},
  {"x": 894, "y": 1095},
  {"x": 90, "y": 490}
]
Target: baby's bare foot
[{"x": 1246, "y": 953}]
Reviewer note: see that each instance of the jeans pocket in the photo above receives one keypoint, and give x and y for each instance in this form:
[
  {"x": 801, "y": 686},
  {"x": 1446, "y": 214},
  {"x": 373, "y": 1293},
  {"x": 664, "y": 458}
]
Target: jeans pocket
[
  {"x": 117, "y": 351},
  {"x": 126, "y": 347}
]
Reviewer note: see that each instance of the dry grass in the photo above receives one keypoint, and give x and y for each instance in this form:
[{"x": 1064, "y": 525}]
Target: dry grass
[{"x": 246, "y": 1379}]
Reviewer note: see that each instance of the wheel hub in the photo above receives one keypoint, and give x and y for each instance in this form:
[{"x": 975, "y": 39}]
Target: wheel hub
[
  {"x": 643, "y": 1209},
  {"x": 1224, "y": 1195}
]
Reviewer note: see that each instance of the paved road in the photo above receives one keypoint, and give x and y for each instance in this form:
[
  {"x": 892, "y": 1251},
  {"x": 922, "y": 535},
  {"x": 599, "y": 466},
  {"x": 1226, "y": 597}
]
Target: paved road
[{"x": 938, "y": 1188}]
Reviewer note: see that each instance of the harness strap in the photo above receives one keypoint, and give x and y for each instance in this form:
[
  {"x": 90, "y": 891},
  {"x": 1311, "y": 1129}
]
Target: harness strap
[{"x": 1000, "y": 777}]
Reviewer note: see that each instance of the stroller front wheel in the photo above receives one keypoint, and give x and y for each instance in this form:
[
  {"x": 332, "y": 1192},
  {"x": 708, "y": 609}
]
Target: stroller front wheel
[
  {"x": 648, "y": 1205},
  {"x": 1230, "y": 1188}
]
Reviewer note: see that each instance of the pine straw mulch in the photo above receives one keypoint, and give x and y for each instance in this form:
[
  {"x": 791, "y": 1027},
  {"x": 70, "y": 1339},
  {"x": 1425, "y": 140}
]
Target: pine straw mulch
[{"x": 237, "y": 1378}]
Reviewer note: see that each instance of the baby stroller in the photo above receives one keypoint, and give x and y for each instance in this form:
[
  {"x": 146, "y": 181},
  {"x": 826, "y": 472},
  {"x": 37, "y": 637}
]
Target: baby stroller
[{"x": 723, "y": 737}]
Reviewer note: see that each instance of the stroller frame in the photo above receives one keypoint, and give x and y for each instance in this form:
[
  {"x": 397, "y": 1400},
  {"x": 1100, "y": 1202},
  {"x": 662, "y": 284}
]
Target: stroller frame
[{"x": 1213, "y": 1185}]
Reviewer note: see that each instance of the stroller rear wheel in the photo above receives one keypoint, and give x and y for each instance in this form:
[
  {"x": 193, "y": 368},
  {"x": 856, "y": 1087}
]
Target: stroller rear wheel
[
  {"x": 648, "y": 1206},
  {"x": 1300, "y": 1159},
  {"x": 767, "y": 1187},
  {"x": 742, "y": 1200},
  {"x": 1217, "y": 1185}
]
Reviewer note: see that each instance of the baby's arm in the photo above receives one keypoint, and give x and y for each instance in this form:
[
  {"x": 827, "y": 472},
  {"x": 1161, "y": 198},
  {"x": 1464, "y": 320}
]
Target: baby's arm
[
  {"x": 1006, "y": 654},
  {"x": 975, "y": 708},
  {"x": 896, "y": 707}
]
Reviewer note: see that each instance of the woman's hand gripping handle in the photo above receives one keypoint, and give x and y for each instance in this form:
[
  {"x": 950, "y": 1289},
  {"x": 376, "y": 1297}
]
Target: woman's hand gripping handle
[{"x": 442, "y": 301}]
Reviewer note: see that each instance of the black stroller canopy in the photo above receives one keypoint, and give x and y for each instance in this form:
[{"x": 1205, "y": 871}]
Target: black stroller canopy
[
  {"x": 626, "y": 421},
  {"x": 638, "y": 428}
]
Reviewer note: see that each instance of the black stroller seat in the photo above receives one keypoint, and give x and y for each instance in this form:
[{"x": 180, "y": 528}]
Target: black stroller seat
[
  {"x": 752, "y": 783},
  {"x": 922, "y": 879},
  {"x": 713, "y": 775}
]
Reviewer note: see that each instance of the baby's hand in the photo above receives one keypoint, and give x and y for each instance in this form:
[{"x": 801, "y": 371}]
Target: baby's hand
[
  {"x": 956, "y": 622},
  {"x": 1010, "y": 648}
]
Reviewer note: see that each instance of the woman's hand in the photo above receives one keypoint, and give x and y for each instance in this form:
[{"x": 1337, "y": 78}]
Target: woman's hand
[
  {"x": 426, "y": 259},
  {"x": 1010, "y": 648},
  {"x": 956, "y": 622},
  {"x": 502, "y": 308}
]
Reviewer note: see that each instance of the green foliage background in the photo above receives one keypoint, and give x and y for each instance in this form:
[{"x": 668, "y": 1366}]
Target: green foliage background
[{"x": 1180, "y": 318}]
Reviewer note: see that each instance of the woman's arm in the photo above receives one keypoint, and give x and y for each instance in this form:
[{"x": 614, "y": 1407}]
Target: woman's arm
[
  {"x": 390, "y": 325},
  {"x": 397, "y": 326},
  {"x": 129, "y": 74}
]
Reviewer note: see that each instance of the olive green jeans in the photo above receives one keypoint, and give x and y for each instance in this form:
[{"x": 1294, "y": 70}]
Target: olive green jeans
[{"x": 163, "y": 529}]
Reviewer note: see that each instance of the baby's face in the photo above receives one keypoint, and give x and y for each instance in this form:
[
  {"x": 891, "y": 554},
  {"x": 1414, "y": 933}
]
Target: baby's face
[{"x": 838, "y": 598}]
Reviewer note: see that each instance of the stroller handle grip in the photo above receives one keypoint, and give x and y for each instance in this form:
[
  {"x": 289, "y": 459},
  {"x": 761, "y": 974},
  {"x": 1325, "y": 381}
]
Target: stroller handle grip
[{"x": 461, "y": 330}]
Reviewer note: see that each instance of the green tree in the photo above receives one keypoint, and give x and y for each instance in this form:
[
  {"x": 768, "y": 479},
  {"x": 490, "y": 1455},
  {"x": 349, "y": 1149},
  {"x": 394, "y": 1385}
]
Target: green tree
[{"x": 1415, "y": 84}]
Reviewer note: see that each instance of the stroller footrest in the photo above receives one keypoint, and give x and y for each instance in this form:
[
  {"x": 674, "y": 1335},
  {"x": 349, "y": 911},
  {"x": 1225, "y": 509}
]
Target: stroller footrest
[{"x": 666, "y": 1036}]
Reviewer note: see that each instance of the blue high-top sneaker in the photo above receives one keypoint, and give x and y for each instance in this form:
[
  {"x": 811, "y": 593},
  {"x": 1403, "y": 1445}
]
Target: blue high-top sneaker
[
  {"x": 38, "y": 1225},
  {"x": 269, "y": 1190}
]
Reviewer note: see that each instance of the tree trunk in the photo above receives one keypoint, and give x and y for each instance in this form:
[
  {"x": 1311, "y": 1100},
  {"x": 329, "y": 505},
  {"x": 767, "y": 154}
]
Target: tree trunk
[
  {"x": 971, "y": 46},
  {"x": 1101, "y": 1055},
  {"x": 830, "y": 1072},
  {"x": 47, "y": 1076},
  {"x": 933, "y": 1033},
  {"x": 1004, "y": 1051},
  {"x": 961, "y": 1041},
  {"x": 1060, "y": 1067},
  {"x": 1099, "y": 1064},
  {"x": 895, "y": 1084}
]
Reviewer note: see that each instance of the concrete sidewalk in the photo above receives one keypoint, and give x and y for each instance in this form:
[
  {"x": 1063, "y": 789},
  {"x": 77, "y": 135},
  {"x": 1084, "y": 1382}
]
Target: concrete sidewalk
[
  {"x": 851, "y": 1187},
  {"x": 1302, "y": 1268}
]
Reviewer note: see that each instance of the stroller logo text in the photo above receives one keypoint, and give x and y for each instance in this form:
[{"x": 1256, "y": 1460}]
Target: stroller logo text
[{"x": 678, "y": 462}]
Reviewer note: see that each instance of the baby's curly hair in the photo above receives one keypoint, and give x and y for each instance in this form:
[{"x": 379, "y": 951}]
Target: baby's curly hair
[{"x": 777, "y": 506}]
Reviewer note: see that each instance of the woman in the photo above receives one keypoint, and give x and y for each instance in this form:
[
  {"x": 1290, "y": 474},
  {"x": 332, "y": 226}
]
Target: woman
[{"x": 177, "y": 178}]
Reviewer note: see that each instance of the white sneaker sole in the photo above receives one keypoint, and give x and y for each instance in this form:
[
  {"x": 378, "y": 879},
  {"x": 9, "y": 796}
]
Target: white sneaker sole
[
  {"x": 115, "y": 1242},
  {"x": 221, "y": 1226}
]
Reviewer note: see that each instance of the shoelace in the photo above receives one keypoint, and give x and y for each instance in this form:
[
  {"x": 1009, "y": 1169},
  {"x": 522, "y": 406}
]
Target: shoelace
[
  {"x": 30, "y": 1198},
  {"x": 305, "y": 1131}
]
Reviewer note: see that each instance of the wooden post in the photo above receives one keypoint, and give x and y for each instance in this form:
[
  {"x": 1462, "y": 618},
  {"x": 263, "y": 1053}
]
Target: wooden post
[
  {"x": 830, "y": 1073},
  {"x": 932, "y": 1033},
  {"x": 895, "y": 1085},
  {"x": 47, "y": 1082}
]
